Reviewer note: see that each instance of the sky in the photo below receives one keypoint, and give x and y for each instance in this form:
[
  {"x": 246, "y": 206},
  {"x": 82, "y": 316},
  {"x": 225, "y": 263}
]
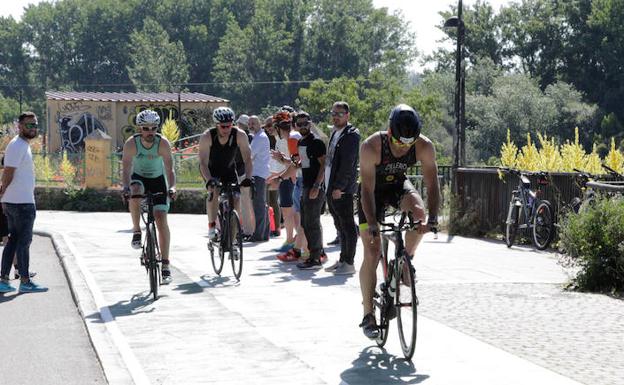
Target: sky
[{"x": 422, "y": 15}]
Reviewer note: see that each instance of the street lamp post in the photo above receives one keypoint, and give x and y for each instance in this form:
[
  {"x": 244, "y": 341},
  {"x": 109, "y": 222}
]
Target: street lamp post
[{"x": 459, "y": 135}]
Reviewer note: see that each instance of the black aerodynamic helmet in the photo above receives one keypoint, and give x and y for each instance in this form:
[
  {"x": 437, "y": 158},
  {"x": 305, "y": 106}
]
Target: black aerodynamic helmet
[{"x": 405, "y": 124}]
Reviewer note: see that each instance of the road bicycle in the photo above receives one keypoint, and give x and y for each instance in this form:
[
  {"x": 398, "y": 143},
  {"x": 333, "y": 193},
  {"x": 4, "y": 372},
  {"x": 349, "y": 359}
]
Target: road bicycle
[
  {"x": 150, "y": 254},
  {"x": 229, "y": 237},
  {"x": 396, "y": 296},
  {"x": 528, "y": 212}
]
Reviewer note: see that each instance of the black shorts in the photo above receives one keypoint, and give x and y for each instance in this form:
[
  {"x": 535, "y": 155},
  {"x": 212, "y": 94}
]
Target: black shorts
[
  {"x": 225, "y": 176},
  {"x": 154, "y": 185},
  {"x": 386, "y": 195}
]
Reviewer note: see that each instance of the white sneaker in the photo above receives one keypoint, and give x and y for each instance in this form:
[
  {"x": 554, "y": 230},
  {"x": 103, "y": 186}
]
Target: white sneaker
[
  {"x": 333, "y": 267},
  {"x": 212, "y": 233},
  {"x": 345, "y": 269}
]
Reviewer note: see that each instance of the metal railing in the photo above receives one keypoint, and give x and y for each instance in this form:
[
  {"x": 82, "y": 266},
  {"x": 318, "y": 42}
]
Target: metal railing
[{"x": 48, "y": 169}]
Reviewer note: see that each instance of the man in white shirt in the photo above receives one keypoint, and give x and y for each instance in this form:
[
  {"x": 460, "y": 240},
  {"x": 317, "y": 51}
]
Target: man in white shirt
[
  {"x": 17, "y": 194},
  {"x": 260, "y": 159}
]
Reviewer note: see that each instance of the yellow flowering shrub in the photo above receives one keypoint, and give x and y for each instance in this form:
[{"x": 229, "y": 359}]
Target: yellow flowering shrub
[
  {"x": 68, "y": 172},
  {"x": 552, "y": 157},
  {"x": 573, "y": 155},
  {"x": 509, "y": 152},
  {"x": 549, "y": 158},
  {"x": 614, "y": 158},
  {"x": 528, "y": 158}
]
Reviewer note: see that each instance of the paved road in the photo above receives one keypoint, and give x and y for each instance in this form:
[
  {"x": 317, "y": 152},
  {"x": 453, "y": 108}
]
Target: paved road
[
  {"x": 44, "y": 340},
  {"x": 489, "y": 315}
]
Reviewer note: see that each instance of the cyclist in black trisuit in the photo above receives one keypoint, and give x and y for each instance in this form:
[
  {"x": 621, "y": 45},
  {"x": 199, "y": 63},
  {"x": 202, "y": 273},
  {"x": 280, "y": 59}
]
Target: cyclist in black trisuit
[
  {"x": 385, "y": 157},
  {"x": 218, "y": 147}
]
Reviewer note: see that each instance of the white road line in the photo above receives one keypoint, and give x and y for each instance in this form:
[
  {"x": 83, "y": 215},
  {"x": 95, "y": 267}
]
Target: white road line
[{"x": 132, "y": 363}]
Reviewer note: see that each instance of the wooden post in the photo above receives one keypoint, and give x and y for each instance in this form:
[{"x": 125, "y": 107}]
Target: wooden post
[{"x": 98, "y": 153}]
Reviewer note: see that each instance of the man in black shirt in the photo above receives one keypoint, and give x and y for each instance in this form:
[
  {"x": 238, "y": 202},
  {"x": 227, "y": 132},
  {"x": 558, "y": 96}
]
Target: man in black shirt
[{"x": 312, "y": 162}]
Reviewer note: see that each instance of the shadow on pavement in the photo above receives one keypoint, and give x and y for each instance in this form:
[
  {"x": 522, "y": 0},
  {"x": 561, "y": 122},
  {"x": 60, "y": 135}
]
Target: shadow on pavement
[
  {"x": 138, "y": 304},
  {"x": 331, "y": 280},
  {"x": 219, "y": 281},
  {"x": 6, "y": 297},
  {"x": 376, "y": 366},
  {"x": 189, "y": 288}
]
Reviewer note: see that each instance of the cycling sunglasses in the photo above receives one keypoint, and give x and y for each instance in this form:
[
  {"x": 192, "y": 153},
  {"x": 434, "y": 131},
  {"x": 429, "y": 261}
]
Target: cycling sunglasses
[{"x": 145, "y": 128}]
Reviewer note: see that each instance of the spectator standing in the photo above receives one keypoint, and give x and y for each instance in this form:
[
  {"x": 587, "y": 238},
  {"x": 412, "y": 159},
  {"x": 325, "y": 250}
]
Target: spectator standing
[
  {"x": 17, "y": 192},
  {"x": 260, "y": 158},
  {"x": 341, "y": 183},
  {"x": 272, "y": 184},
  {"x": 247, "y": 212},
  {"x": 311, "y": 152},
  {"x": 285, "y": 172}
]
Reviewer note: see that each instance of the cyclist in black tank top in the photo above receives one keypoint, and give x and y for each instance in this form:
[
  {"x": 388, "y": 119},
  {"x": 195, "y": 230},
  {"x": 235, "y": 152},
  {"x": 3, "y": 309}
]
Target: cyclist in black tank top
[
  {"x": 391, "y": 170},
  {"x": 217, "y": 153},
  {"x": 223, "y": 156},
  {"x": 385, "y": 158}
]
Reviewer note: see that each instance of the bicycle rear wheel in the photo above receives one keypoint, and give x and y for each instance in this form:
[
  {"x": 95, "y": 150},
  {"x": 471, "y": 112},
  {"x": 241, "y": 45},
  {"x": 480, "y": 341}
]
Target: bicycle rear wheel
[
  {"x": 543, "y": 225},
  {"x": 511, "y": 227},
  {"x": 152, "y": 263},
  {"x": 236, "y": 245},
  {"x": 407, "y": 305}
]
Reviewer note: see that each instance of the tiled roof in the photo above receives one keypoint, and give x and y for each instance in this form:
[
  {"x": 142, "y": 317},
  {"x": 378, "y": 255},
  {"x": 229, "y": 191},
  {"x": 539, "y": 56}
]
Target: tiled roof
[{"x": 133, "y": 97}]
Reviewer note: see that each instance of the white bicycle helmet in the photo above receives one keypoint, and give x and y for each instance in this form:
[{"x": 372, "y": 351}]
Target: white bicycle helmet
[
  {"x": 223, "y": 115},
  {"x": 147, "y": 118}
]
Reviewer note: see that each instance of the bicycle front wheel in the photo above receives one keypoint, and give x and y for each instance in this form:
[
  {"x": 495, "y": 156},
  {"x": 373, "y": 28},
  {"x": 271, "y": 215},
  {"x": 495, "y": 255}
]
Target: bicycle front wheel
[
  {"x": 236, "y": 245},
  {"x": 152, "y": 263},
  {"x": 407, "y": 305},
  {"x": 382, "y": 302},
  {"x": 543, "y": 225},
  {"x": 217, "y": 252},
  {"x": 512, "y": 224}
]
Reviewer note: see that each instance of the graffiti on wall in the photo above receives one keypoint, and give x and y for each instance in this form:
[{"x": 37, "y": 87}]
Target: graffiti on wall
[
  {"x": 76, "y": 120},
  {"x": 74, "y": 129}
]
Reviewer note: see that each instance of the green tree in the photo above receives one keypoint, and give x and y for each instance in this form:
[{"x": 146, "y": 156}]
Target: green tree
[
  {"x": 14, "y": 64},
  {"x": 157, "y": 64}
]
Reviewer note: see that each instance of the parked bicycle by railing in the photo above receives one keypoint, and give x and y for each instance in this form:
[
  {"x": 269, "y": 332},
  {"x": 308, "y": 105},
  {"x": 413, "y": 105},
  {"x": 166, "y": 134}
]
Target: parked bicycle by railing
[
  {"x": 229, "y": 238},
  {"x": 528, "y": 212}
]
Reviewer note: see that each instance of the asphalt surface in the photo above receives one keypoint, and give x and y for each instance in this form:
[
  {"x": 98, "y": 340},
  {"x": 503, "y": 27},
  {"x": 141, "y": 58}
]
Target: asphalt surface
[{"x": 44, "y": 340}]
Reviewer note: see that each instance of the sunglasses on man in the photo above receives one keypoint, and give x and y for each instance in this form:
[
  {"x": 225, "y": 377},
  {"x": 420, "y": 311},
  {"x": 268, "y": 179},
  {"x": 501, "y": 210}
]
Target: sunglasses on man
[
  {"x": 30, "y": 126},
  {"x": 339, "y": 114},
  {"x": 407, "y": 143},
  {"x": 303, "y": 124},
  {"x": 147, "y": 129}
]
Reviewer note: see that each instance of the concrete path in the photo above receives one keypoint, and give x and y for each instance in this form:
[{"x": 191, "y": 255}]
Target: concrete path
[
  {"x": 44, "y": 340},
  {"x": 488, "y": 315}
]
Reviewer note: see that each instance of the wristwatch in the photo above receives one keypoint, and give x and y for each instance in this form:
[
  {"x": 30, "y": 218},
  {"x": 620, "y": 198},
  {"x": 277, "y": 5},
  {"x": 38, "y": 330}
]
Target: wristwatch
[{"x": 316, "y": 185}]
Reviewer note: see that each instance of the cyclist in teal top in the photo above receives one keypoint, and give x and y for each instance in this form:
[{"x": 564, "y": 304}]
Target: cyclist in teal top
[{"x": 148, "y": 166}]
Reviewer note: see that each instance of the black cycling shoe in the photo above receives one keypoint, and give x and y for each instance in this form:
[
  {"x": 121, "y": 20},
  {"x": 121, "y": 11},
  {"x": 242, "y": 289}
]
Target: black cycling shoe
[{"x": 369, "y": 326}]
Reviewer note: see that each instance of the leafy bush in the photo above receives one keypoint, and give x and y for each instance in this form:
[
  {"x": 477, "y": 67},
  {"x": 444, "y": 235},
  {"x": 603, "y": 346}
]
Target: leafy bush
[
  {"x": 594, "y": 243},
  {"x": 466, "y": 220}
]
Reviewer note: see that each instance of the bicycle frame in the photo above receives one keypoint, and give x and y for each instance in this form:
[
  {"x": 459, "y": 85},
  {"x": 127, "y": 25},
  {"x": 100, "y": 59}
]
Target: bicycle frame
[{"x": 521, "y": 199}]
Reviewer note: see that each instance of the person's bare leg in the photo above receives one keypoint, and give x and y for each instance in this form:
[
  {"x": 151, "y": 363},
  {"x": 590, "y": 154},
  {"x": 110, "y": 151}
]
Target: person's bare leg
[
  {"x": 368, "y": 271},
  {"x": 289, "y": 223},
  {"x": 164, "y": 235}
]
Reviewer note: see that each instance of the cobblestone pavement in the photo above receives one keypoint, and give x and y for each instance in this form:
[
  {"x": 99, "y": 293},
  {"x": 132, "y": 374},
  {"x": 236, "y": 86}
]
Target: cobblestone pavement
[{"x": 578, "y": 335}]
